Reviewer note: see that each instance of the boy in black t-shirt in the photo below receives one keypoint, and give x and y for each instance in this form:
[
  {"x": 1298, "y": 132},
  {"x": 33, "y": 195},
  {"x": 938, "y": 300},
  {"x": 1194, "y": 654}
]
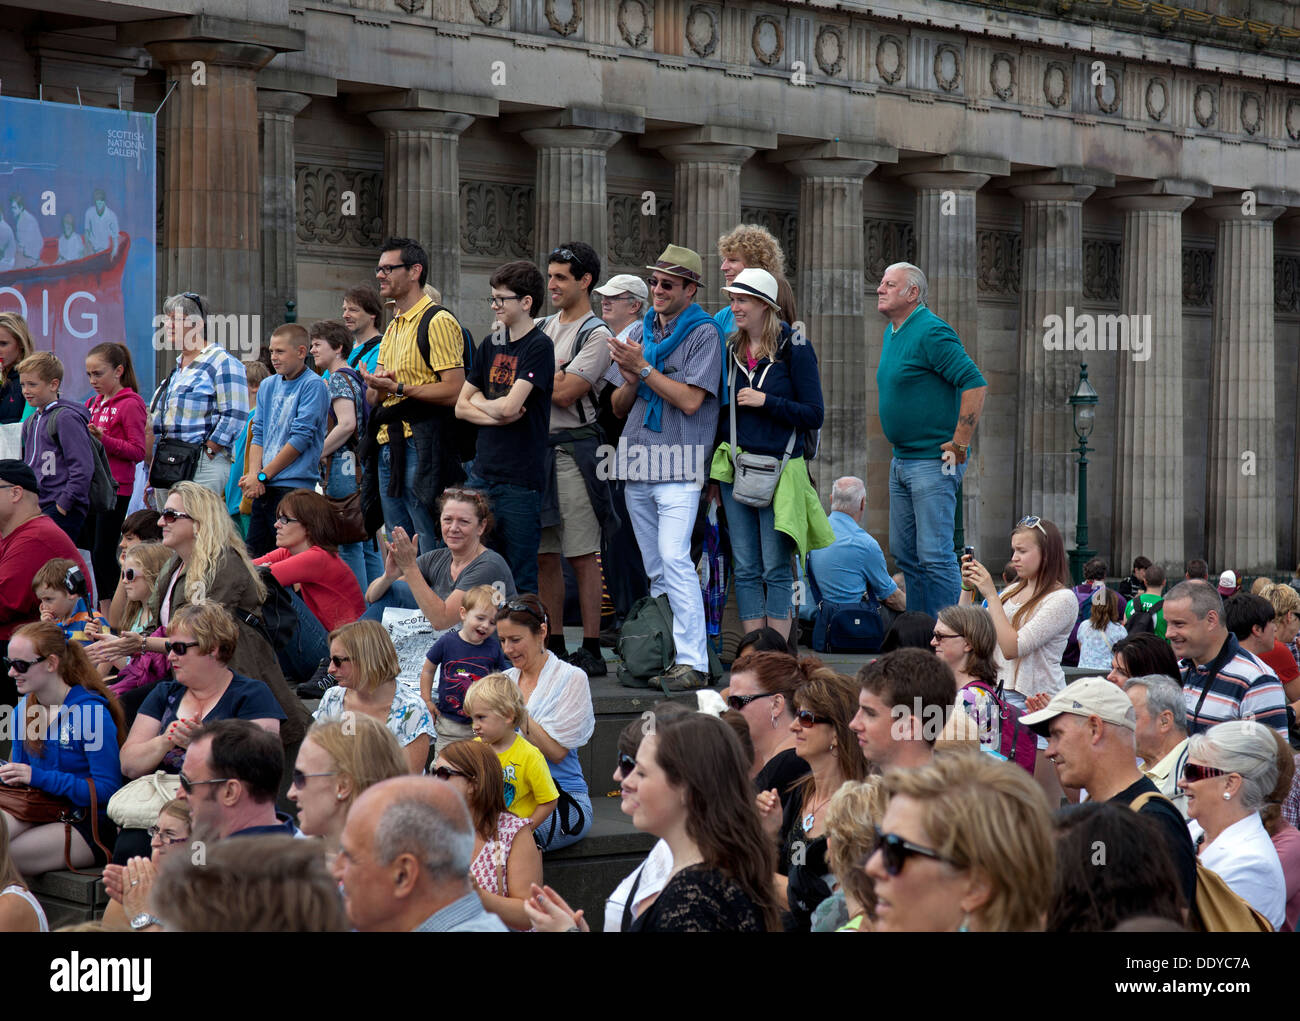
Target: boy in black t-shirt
[{"x": 508, "y": 395}]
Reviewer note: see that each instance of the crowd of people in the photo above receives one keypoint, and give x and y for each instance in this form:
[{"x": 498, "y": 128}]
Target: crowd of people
[{"x": 323, "y": 596}]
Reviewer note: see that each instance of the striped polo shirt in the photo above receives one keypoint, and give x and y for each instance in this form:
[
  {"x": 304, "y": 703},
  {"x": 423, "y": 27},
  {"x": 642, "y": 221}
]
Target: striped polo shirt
[
  {"x": 1243, "y": 688},
  {"x": 399, "y": 352}
]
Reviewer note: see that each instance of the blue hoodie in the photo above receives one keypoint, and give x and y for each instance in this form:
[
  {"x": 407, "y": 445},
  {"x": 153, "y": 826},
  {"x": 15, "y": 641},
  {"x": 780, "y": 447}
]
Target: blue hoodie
[
  {"x": 793, "y": 392},
  {"x": 83, "y": 743},
  {"x": 65, "y": 465}
]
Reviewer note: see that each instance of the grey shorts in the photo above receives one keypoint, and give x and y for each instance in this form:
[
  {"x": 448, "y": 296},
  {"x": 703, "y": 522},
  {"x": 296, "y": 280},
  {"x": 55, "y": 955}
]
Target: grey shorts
[{"x": 578, "y": 533}]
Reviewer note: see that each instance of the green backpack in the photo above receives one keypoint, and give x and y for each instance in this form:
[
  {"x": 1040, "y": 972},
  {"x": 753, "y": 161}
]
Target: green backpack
[{"x": 646, "y": 648}]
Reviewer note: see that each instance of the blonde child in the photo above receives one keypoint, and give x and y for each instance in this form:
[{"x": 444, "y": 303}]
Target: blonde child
[
  {"x": 496, "y": 707},
  {"x": 463, "y": 657}
]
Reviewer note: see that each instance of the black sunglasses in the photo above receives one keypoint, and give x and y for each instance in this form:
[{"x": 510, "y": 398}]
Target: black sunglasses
[
  {"x": 180, "y": 648},
  {"x": 21, "y": 665},
  {"x": 807, "y": 718},
  {"x": 738, "y": 702},
  {"x": 446, "y": 773},
  {"x": 188, "y": 785},
  {"x": 1193, "y": 773},
  {"x": 518, "y": 606},
  {"x": 170, "y": 515},
  {"x": 338, "y": 661},
  {"x": 197, "y": 301},
  {"x": 662, "y": 284},
  {"x": 300, "y": 778},
  {"x": 130, "y": 574},
  {"x": 626, "y": 763},
  {"x": 895, "y": 851}
]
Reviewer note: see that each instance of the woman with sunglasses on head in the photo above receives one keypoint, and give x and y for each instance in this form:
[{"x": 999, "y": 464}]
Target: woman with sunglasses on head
[
  {"x": 762, "y": 691},
  {"x": 966, "y": 846},
  {"x": 1033, "y": 619},
  {"x": 128, "y": 886},
  {"x": 337, "y": 761},
  {"x": 506, "y": 863},
  {"x": 324, "y": 590},
  {"x": 824, "y": 704},
  {"x": 67, "y": 729},
  {"x": 559, "y": 717},
  {"x": 1231, "y": 770},
  {"x": 363, "y": 668}
]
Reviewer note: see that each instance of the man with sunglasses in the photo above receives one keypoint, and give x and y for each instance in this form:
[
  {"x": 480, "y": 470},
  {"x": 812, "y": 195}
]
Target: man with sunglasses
[
  {"x": 1091, "y": 730},
  {"x": 230, "y": 778},
  {"x": 668, "y": 375},
  {"x": 409, "y": 452},
  {"x": 27, "y": 540}
]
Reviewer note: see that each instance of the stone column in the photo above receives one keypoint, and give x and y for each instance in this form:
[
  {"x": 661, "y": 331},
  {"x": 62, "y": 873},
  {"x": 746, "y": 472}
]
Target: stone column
[
  {"x": 572, "y": 203},
  {"x": 422, "y": 188},
  {"x": 1051, "y": 284},
  {"x": 831, "y": 293},
  {"x": 1148, "y": 508},
  {"x": 947, "y": 251},
  {"x": 1242, "y": 496},
  {"x": 276, "y": 114}
]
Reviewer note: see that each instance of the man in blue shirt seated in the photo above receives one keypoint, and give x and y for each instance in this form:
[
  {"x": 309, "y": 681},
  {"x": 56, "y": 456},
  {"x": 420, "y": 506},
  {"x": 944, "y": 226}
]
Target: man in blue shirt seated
[{"x": 854, "y": 564}]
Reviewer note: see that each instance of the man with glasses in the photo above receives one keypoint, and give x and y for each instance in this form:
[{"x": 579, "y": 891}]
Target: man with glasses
[
  {"x": 509, "y": 399},
  {"x": 421, "y": 369},
  {"x": 668, "y": 382},
  {"x": 578, "y": 511},
  {"x": 623, "y": 301},
  {"x": 27, "y": 540},
  {"x": 931, "y": 396},
  {"x": 1091, "y": 731},
  {"x": 230, "y": 779}
]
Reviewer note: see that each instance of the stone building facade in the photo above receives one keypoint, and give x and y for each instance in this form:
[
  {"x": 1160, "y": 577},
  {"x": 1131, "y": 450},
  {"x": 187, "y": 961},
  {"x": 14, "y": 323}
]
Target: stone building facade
[{"x": 1105, "y": 161}]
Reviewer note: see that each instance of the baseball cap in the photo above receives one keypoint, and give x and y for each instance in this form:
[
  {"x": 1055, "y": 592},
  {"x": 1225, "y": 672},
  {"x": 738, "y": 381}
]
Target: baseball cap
[
  {"x": 1227, "y": 583},
  {"x": 625, "y": 283},
  {"x": 17, "y": 473},
  {"x": 1088, "y": 696}
]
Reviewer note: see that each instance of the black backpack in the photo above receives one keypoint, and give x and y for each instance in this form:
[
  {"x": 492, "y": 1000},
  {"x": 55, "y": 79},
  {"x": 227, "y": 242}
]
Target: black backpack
[
  {"x": 1143, "y": 621},
  {"x": 464, "y": 435},
  {"x": 276, "y": 621}
]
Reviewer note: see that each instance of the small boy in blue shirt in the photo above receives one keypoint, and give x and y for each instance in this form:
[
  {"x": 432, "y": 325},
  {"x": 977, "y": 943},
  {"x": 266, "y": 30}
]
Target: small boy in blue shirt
[
  {"x": 61, "y": 588},
  {"x": 463, "y": 657}
]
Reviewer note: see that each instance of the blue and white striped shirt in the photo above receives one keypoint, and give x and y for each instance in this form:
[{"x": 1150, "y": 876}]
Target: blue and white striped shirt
[{"x": 205, "y": 400}]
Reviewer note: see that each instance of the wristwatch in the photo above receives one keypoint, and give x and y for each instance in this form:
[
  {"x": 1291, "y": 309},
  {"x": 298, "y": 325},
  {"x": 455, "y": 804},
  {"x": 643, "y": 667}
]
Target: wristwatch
[
  {"x": 645, "y": 373},
  {"x": 401, "y": 389},
  {"x": 143, "y": 920},
  {"x": 261, "y": 477}
]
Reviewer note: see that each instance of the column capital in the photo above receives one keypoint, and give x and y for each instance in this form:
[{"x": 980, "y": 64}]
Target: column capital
[
  {"x": 423, "y": 101},
  {"x": 179, "y": 56},
  {"x": 945, "y": 181},
  {"x": 818, "y": 168},
  {"x": 287, "y": 104},
  {"x": 1165, "y": 194},
  {"x": 211, "y": 30},
  {"x": 834, "y": 158},
  {"x": 698, "y": 152},
  {"x": 1230, "y": 206},
  {"x": 440, "y": 122},
  {"x": 1051, "y": 192},
  {"x": 1063, "y": 175},
  {"x": 1153, "y": 203},
  {"x": 954, "y": 163},
  {"x": 709, "y": 139},
  {"x": 625, "y": 121},
  {"x": 571, "y": 138}
]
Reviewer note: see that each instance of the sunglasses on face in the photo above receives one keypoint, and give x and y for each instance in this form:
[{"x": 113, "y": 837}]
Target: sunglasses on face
[
  {"x": 894, "y": 851},
  {"x": 21, "y": 665},
  {"x": 300, "y": 778},
  {"x": 626, "y": 764},
  {"x": 1193, "y": 773},
  {"x": 807, "y": 718},
  {"x": 446, "y": 773},
  {"x": 939, "y": 636},
  {"x": 662, "y": 284},
  {"x": 180, "y": 648},
  {"x": 1032, "y": 521},
  {"x": 170, "y": 516},
  {"x": 130, "y": 574},
  {"x": 188, "y": 785},
  {"x": 338, "y": 661},
  {"x": 738, "y": 702}
]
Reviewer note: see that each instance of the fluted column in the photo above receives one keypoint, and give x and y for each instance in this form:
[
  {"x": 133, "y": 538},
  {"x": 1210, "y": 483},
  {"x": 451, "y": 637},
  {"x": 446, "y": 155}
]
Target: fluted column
[
  {"x": 572, "y": 203},
  {"x": 212, "y": 198},
  {"x": 1148, "y": 507},
  {"x": 1242, "y": 495},
  {"x": 422, "y": 187},
  {"x": 1051, "y": 284},
  {"x": 276, "y": 114}
]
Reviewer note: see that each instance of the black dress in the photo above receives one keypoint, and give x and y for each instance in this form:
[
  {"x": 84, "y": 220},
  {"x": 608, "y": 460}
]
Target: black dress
[
  {"x": 701, "y": 899},
  {"x": 781, "y": 771},
  {"x": 803, "y": 863}
]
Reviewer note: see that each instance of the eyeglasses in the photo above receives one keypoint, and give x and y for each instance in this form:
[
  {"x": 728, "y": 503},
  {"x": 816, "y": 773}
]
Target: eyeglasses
[
  {"x": 446, "y": 773},
  {"x": 626, "y": 764},
  {"x": 338, "y": 661},
  {"x": 662, "y": 284},
  {"x": 21, "y": 665},
  {"x": 807, "y": 718},
  {"x": 383, "y": 271},
  {"x": 284, "y": 519},
  {"x": 9, "y": 485},
  {"x": 1032, "y": 521},
  {"x": 300, "y": 778},
  {"x": 499, "y": 300},
  {"x": 894, "y": 851},
  {"x": 180, "y": 648},
  {"x": 939, "y": 637},
  {"x": 618, "y": 297},
  {"x": 156, "y": 834},
  {"x": 170, "y": 515},
  {"x": 738, "y": 702},
  {"x": 188, "y": 785},
  {"x": 518, "y": 606},
  {"x": 1193, "y": 773}
]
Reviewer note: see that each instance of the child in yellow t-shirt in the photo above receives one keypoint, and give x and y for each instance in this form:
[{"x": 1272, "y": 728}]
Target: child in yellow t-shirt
[{"x": 495, "y": 707}]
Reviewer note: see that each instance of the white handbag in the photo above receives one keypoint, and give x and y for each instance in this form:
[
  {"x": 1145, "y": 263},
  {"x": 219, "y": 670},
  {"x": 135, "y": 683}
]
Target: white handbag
[{"x": 136, "y": 805}]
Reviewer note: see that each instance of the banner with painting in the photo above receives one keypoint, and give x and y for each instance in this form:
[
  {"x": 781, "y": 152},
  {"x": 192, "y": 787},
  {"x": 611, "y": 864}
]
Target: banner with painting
[{"x": 77, "y": 224}]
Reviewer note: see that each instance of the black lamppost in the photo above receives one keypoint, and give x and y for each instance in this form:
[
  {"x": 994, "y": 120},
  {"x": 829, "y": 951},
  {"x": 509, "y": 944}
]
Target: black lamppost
[{"x": 1084, "y": 404}]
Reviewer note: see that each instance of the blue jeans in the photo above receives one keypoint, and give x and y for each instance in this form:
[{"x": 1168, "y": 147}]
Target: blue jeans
[
  {"x": 405, "y": 510},
  {"x": 362, "y": 558},
  {"x": 518, "y": 530},
  {"x": 760, "y": 556},
  {"x": 549, "y": 836},
  {"x": 398, "y": 596},
  {"x": 308, "y": 646},
  {"x": 922, "y": 505}
]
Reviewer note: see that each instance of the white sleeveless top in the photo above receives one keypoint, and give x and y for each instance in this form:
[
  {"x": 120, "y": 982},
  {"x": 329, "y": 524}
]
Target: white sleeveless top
[{"x": 30, "y": 899}]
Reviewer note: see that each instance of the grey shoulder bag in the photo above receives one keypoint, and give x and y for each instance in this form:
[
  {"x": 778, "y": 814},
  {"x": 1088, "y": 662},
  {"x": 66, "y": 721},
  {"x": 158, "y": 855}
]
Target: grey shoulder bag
[{"x": 756, "y": 475}]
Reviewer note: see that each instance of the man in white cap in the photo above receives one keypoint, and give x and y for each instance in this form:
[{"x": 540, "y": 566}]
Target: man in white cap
[
  {"x": 1091, "y": 731},
  {"x": 668, "y": 379},
  {"x": 623, "y": 301},
  {"x": 1228, "y": 584}
]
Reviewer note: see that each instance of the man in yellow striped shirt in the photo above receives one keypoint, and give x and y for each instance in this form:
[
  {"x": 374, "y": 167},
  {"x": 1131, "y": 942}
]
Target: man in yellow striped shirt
[{"x": 414, "y": 390}]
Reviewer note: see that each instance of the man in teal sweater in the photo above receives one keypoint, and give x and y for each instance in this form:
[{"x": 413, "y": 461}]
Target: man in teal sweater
[{"x": 931, "y": 396}]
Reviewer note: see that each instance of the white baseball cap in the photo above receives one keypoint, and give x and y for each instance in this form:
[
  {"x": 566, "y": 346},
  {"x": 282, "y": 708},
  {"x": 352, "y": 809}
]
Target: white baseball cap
[{"x": 625, "y": 283}]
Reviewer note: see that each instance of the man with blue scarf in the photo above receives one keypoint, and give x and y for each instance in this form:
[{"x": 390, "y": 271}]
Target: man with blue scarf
[{"x": 667, "y": 374}]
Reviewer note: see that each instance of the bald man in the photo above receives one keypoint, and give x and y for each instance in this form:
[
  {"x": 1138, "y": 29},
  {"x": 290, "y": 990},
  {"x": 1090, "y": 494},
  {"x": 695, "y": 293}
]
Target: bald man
[{"x": 405, "y": 857}]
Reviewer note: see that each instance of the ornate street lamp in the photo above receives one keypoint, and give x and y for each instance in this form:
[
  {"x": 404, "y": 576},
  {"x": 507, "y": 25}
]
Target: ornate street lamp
[{"x": 1083, "y": 402}]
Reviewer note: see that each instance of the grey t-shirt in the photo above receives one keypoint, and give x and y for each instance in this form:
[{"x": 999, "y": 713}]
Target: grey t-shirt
[{"x": 487, "y": 568}]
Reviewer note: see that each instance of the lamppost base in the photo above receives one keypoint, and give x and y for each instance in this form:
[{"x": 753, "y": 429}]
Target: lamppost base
[{"x": 1079, "y": 557}]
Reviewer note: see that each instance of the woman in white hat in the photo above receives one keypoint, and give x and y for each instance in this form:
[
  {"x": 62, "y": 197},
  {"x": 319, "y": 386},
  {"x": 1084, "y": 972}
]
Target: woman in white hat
[{"x": 773, "y": 378}]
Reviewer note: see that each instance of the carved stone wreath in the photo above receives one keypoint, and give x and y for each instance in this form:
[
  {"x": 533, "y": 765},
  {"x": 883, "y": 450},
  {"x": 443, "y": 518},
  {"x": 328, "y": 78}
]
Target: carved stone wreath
[
  {"x": 1157, "y": 99},
  {"x": 411, "y": 6},
  {"x": 1205, "y": 105},
  {"x": 702, "y": 30},
  {"x": 771, "y": 54},
  {"x": 1252, "y": 112},
  {"x": 633, "y": 23},
  {"x": 891, "y": 61},
  {"x": 489, "y": 16},
  {"x": 1293, "y": 119},
  {"x": 1002, "y": 76},
  {"x": 565, "y": 28},
  {"x": 829, "y": 50},
  {"x": 947, "y": 80},
  {"x": 1056, "y": 81},
  {"x": 1099, "y": 91}
]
